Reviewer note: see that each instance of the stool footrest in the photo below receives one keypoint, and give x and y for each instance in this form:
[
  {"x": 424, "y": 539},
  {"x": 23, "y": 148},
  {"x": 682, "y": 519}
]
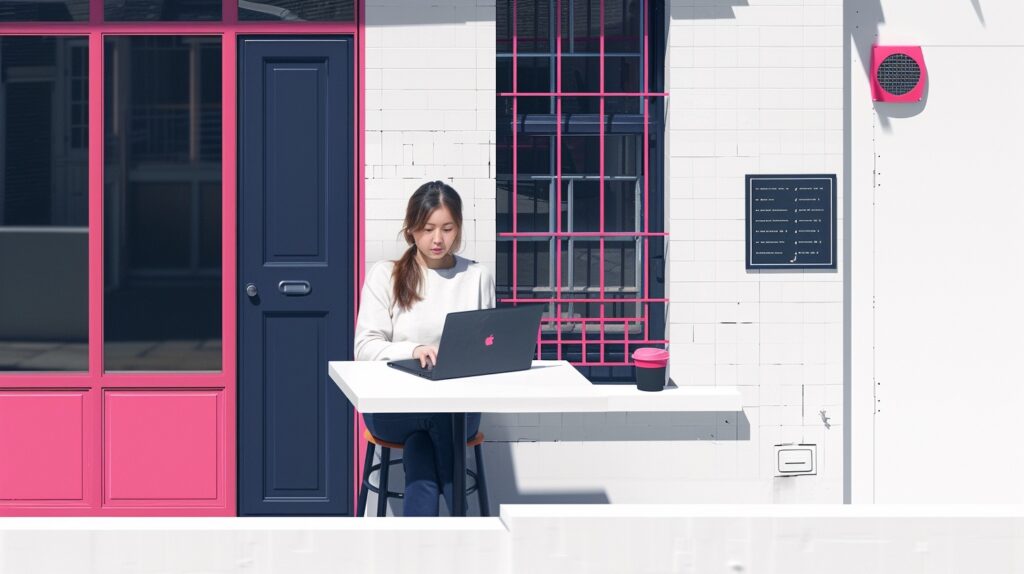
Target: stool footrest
[{"x": 392, "y": 494}]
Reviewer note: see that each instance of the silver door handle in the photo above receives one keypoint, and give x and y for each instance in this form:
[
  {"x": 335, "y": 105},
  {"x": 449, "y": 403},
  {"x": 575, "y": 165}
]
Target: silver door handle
[{"x": 294, "y": 287}]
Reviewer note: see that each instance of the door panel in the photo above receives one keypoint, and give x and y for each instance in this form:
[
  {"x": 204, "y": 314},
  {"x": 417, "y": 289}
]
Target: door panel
[
  {"x": 42, "y": 445},
  {"x": 296, "y": 406},
  {"x": 295, "y": 197},
  {"x": 289, "y": 166},
  {"x": 152, "y": 459}
]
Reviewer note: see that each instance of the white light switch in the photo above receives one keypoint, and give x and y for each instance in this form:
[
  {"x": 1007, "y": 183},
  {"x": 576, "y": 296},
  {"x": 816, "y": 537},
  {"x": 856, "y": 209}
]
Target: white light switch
[{"x": 796, "y": 459}]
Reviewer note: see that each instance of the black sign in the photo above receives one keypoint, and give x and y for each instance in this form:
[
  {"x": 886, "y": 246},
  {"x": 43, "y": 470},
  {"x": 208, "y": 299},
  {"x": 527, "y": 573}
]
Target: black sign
[{"x": 791, "y": 221}]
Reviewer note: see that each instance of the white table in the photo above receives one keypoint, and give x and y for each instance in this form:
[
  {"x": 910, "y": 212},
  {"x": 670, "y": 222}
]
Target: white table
[{"x": 548, "y": 386}]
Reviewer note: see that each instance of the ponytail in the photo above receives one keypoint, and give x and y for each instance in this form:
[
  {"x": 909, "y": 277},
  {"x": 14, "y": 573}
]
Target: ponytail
[{"x": 405, "y": 277}]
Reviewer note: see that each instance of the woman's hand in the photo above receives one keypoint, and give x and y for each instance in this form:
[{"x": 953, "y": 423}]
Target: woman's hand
[{"x": 425, "y": 353}]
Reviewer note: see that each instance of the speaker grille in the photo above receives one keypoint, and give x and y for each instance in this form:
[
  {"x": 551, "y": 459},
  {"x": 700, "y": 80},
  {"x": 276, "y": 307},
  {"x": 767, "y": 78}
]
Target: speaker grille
[{"x": 898, "y": 74}]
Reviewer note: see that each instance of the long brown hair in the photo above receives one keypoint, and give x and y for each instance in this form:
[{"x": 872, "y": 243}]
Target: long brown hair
[{"x": 407, "y": 274}]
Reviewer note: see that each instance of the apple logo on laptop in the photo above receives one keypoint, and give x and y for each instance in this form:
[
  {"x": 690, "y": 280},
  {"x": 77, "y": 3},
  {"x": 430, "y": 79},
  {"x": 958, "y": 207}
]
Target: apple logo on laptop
[{"x": 489, "y": 340}]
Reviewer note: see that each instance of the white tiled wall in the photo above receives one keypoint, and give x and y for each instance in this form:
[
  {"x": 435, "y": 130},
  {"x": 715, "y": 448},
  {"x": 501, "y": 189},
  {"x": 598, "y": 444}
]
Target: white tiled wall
[
  {"x": 755, "y": 87},
  {"x": 429, "y": 115}
]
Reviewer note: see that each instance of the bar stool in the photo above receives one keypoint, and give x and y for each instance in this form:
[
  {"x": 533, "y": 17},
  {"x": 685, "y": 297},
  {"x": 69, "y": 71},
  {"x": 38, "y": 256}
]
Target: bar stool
[{"x": 479, "y": 480}]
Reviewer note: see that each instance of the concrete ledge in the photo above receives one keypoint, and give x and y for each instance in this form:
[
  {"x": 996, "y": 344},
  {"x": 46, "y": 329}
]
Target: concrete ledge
[{"x": 536, "y": 538}]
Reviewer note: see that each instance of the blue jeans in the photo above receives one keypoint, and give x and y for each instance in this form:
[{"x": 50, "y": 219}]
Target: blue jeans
[{"x": 426, "y": 457}]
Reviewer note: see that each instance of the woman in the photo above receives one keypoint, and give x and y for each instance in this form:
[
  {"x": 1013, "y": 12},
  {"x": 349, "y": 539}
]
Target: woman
[{"x": 401, "y": 316}]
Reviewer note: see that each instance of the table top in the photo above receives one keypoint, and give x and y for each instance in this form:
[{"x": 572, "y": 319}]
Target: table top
[{"x": 548, "y": 386}]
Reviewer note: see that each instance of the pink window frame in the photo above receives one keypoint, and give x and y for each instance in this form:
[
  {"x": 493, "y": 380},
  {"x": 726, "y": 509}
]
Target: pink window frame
[
  {"x": 559, "y": 235},
  {"x": 95, "y": 380}
]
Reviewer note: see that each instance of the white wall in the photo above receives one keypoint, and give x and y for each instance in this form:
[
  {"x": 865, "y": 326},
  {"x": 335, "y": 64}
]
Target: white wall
[
  {"x": 937, "y": 212},
  {"x": 429, "y": 115},
  {"x": 754, "y": 89}
]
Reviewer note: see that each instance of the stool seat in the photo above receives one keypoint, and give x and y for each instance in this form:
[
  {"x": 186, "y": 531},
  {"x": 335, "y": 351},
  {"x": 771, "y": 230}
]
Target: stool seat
[{"x": 478, "y": 438}]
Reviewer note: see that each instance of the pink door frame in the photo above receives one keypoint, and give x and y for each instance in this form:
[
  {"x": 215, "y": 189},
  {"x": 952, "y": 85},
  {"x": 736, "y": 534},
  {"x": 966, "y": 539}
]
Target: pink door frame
[{"x": 88, "y": 386}]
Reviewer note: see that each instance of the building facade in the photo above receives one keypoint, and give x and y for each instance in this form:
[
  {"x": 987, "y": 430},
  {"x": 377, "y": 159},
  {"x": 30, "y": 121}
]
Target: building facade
[{"x": 168, "y": 165}]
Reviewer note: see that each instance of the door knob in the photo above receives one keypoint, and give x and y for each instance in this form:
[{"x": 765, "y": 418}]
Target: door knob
[{"x": 251, "y": 290}]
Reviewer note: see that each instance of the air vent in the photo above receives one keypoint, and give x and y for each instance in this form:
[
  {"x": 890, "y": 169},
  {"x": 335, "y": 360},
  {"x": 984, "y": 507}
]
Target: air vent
[{"x": 897, "y": 74}]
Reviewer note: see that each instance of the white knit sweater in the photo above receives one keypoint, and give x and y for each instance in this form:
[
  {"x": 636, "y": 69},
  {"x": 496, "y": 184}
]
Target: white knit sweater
[{"x": 386, "y": 332}]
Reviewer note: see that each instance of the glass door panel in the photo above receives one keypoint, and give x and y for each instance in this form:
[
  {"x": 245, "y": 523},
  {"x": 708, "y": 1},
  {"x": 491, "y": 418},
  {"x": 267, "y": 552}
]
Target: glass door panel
[
  {"x": 297, "y": 10},
  {"x": 162, "y": 238},
  {"x": 44, "y": 234}
]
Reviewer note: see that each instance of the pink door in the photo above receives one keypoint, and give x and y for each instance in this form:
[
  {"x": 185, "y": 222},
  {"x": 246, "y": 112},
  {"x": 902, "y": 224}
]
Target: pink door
[{"x": 118, "y": 250}]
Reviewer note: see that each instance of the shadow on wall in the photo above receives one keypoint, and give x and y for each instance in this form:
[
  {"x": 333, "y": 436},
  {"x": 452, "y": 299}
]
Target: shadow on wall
[
  {"x": 427, "y": 12},
  {"x": 706, "y": 10},
  {"x": 887, "y": 111},
  {"x": 639, "y": 426},
  {"x": 867, "y": 18},
  {"x": 976, "y": 4},
  {"x": 504, "y": 488},
  {"x": 424, "y": 13}
]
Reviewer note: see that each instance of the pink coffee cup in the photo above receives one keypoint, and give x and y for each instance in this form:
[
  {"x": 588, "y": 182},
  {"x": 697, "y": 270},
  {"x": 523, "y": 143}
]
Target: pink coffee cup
[{"x": 651, "y": 366}]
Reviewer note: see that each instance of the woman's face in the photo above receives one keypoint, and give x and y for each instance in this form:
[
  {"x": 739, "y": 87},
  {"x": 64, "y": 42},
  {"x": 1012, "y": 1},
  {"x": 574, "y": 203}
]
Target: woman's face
[{"x": 437, "y": 237}]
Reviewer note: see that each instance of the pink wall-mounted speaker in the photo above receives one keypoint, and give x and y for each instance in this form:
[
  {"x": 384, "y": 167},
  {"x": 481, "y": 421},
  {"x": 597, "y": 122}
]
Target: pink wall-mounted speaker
[{"x": 898, "y": 74}]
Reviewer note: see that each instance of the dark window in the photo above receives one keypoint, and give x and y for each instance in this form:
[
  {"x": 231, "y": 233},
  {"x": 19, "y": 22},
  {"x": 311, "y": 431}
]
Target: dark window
[
  {"x": 576, "y": 228},
  {"x": 297, "y": 10},
  {"x": 160, "y": 10},
  {"x": 44, "y": 207},
  {"x": 162, "y": 240},
  {"x": 44, "y": 11}
]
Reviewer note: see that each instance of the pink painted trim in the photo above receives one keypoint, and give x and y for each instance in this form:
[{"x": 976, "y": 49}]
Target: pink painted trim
[
  {"x": 359, "y": 220},
  {"x": 558, "y": 181},
  {"x": 62, "y": 508},
  {"x": 625, "y": 332},
  {"x": 583, "y": 338},
  {"x": 229, "y": 255},
  {"x": 182, "y": 380},
  {"x": 584, "y": 94},
  {"x": 601, "y": 172},
  {"x": 173, "y": 28},
  {"x": 596, "y": 300},
  {"x": 585, "y": 320},
  {"x": 647, "y": 153},
  {"x": 583, "y": 234},
  {"x": 515, "y": 155},
  {"x": 11, "y": 382},
  {"x": 93, "y": 418},
  {"x": 95, "y": 82}
]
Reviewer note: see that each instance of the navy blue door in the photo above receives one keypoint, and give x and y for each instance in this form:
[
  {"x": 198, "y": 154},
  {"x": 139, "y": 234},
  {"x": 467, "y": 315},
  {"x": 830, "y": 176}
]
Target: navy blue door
[{"x": 295, "y": 229}]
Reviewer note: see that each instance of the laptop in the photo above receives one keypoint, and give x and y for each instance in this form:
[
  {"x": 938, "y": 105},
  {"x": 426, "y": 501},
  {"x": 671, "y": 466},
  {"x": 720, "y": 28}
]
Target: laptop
[{"x": 482, "y": 342}]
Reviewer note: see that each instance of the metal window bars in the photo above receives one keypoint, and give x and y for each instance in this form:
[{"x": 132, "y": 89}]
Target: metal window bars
[{"x": 563, "y": 327}]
